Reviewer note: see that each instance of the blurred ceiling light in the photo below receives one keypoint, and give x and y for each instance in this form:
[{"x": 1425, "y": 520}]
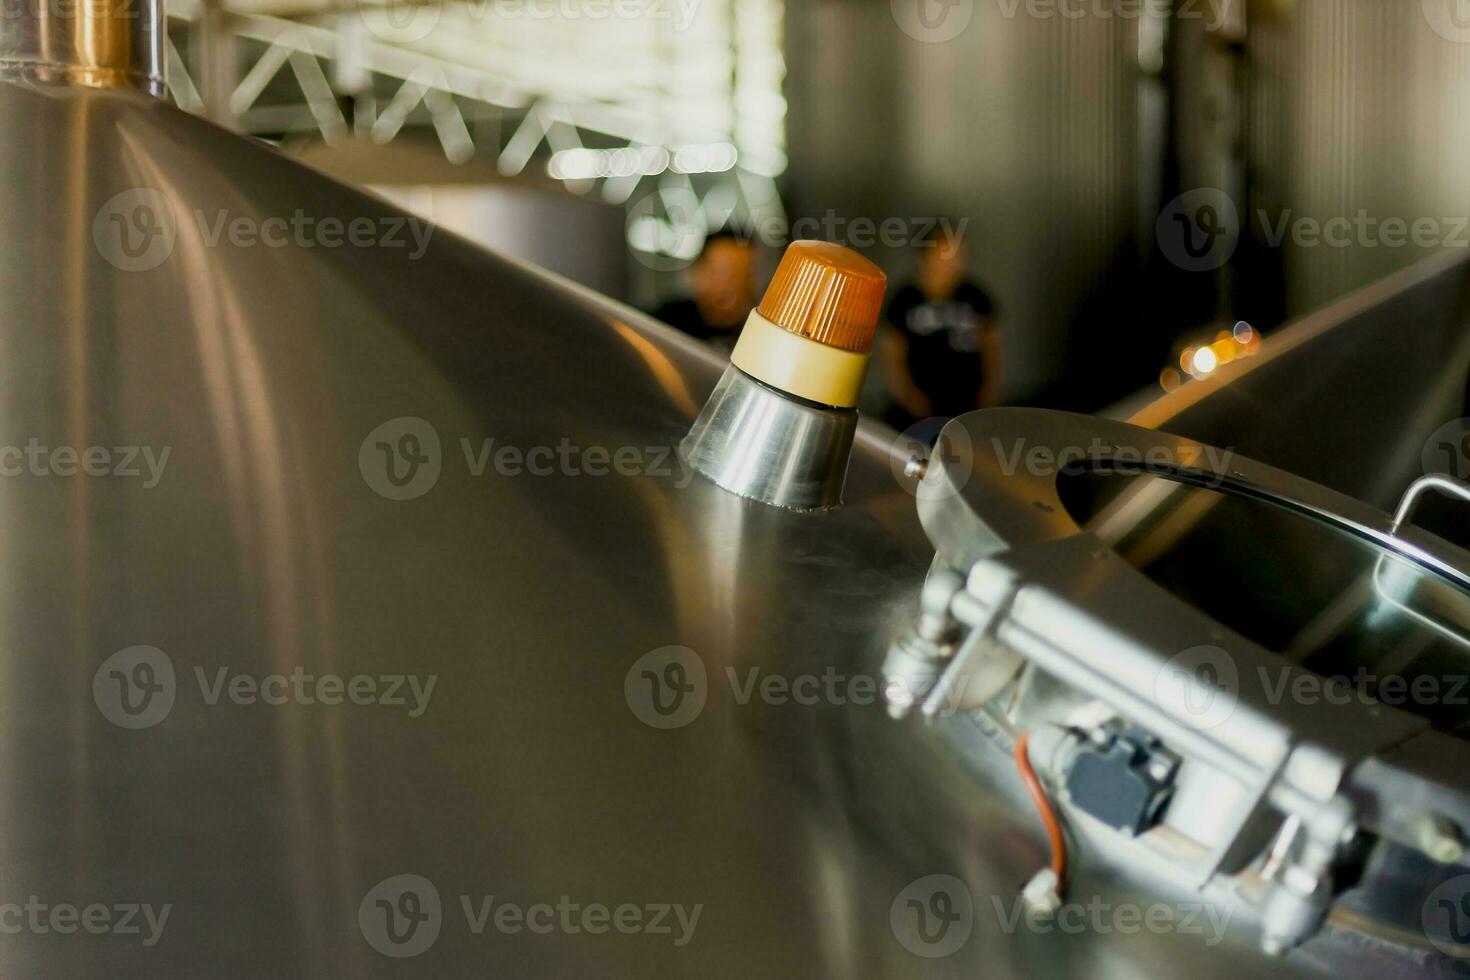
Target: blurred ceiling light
[
  {"x": 763, "y": 161},
  {"x": 1203, "y": 362},
  {"x": 584, "y": 163},
  {"x": 1203, "y": 359},
  {"x": 705, "y": 158}
]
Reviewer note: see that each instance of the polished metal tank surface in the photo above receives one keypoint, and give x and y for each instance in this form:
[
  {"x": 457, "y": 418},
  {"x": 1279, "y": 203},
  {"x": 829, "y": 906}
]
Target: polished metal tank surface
[{"x": 259, "y": 497}]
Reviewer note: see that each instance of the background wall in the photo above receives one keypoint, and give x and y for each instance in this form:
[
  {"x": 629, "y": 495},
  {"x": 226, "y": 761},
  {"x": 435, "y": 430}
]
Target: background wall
[
  {"x": 1063, "y": 138},
  {"x": 1024, "y": 126},
  {"x": 1357, "y": 106}
]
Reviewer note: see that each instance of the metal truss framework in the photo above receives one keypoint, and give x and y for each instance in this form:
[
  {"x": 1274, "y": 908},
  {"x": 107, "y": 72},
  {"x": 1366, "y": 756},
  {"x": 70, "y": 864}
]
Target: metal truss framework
[{"x": 685, "y": 129}]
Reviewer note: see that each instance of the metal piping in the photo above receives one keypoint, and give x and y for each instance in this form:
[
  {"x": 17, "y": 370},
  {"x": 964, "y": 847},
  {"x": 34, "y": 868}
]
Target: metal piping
[{"x": 91, "y": 43}]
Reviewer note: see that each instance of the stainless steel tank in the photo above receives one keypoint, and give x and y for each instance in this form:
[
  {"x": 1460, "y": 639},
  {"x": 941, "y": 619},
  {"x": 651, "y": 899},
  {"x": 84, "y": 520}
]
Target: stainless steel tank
[{"x": 360, "y": 618}]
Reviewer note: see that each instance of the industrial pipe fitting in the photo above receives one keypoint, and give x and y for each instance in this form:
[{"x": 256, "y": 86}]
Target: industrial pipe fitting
[{"x": 91, "y": 43}]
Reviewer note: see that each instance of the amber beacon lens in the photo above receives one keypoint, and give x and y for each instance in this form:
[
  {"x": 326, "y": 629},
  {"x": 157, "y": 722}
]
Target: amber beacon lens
[{"x": 826, "y": 293}]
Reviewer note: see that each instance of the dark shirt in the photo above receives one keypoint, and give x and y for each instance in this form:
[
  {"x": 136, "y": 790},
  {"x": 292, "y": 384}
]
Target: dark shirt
[
  {"x": 684, "y": 315},
  {"x": 945, "y": 356}
]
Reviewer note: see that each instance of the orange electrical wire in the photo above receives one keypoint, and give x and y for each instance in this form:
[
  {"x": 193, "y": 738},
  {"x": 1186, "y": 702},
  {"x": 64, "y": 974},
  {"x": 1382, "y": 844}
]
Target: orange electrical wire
[{"x": 1043, "y": 806}]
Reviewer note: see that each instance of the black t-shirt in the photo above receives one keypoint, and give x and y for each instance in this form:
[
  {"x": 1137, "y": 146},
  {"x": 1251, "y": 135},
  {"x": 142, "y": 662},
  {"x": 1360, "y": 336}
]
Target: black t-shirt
[
  {"x": 684, "y": 315},
  {"x": 945, "y": 359}
]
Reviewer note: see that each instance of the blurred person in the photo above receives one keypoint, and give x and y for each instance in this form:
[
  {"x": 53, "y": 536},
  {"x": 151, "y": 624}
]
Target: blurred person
[
  {"x": 722, "y": 291},
  {"x": 940, "y": 346}
]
